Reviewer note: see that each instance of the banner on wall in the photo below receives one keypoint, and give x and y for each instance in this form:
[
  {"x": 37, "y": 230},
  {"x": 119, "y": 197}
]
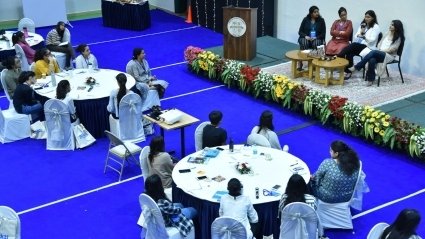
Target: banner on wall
[{"x": 45, "y": 12}]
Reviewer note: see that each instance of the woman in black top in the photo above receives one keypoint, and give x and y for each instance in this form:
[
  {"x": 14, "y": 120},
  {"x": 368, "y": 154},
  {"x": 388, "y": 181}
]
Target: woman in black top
[
  {"x": 312, "y": 30},
  {"x": 23, "y": 98}
]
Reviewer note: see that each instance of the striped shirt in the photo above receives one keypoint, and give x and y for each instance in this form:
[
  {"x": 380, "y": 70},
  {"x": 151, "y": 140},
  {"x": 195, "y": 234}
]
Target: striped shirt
[{"x": 174, "y": 218}]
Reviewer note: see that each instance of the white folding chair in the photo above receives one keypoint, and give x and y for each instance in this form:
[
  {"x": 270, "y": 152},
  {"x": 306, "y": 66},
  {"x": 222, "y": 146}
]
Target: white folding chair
[
  {"x": 153, "y": 223},
  {"x": 337, "y": 215},
  {"x": 28, "y": 23},
  {"x": 10, "y": 225},
  {"x": 198, "y": 135},
  {"x": 377, "y": 230},
  {"x": 258, "y": 139},
  {"x": 3, "y": 83},
  {"x": 119, "y": 152},
  {"x": 129, "y": 126},
  {"x": 21, "y": 55},
  {"x": 228, "y": 228},
  {"x": 299, "y": 220},
  {"x": 143, "y": 160},
  {"x": 58, "y": 126},
  {"x": 13, "y": 126}
]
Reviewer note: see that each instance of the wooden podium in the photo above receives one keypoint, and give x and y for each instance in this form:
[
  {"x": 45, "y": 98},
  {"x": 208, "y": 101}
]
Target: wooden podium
[{"x": 240, "y": 33}]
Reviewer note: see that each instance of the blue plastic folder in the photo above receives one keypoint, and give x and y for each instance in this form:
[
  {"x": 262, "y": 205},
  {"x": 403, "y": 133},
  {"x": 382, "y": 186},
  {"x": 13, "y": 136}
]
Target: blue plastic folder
[
  {"x": 211, "y": 153},
  {"x": 217, "y": 195}
]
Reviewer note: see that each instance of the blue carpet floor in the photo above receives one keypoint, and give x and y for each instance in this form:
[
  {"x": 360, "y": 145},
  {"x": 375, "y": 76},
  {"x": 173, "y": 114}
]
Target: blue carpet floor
[{"x": 34, "y": 181}]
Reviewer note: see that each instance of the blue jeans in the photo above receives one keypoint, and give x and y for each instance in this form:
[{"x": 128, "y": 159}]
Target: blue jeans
[
  {"x": 34, "y": 110},
  {"x": 373, "y": 57},
  {"x": 188, "y": 212}
]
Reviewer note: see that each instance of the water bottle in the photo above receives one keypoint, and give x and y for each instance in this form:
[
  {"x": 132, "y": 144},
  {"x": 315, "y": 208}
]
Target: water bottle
[
  {"x": 254, "y": 150},
  {"x": 231, "y": 145},
  {"x": 25, "y": 32},
  {"x": 285, "y": 148},
  {"x": 53, "y": 79}
]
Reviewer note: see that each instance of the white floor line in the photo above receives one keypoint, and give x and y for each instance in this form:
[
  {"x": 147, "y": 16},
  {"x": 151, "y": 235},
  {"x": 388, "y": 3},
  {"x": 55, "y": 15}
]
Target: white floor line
[
  {"x": 146, "y": 35},
  {"x": 174, "y": 64},
  {"x": 2, "y": 96},
  {"x": 78, "y": 195},
  {"x": 388, "y": 204},
  {"x": 193, "y": 92}
]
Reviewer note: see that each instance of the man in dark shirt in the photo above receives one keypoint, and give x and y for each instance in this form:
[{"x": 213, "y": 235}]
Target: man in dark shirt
[{"x": 212, "y": 134}]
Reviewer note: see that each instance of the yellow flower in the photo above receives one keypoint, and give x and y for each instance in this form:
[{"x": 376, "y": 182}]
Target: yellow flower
[
  {"x": 278, "y": 91},
  {"x": 367, "y": 114},
  {"x": 387, "y": 117},
  {"x": 374, "y": 114},
  {"x": 372, "y": 120},
  {"x": 381, "y": 133},
  {"x": 386, "y": 124},
  {"x": 377, "y": 124},
  {"x": 363, "y": 119},
  {"x": 376, "y": 129}
]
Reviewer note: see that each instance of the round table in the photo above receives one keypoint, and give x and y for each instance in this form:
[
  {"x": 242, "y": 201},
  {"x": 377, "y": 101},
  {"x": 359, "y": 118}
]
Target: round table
[
  {"x": 266, "y": 173},
  {"x": 337, "y": 64},
  {"x": 299, "y": 56},
  {"x": 90, "y": 105},
  {"x": 7, "y": 49}
]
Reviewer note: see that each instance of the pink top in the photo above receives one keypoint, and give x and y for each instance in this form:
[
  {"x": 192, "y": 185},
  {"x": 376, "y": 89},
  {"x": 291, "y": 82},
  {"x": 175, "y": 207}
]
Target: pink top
[{"x": 29, "y": 52}]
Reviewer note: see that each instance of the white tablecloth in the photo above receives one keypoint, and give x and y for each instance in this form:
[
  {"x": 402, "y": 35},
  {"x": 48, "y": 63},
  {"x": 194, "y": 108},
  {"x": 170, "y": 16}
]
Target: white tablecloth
[
  {"x": 265, "y": 175},
  {"x": 32, "y": 40},
  {"x": 105, "y": 83}
]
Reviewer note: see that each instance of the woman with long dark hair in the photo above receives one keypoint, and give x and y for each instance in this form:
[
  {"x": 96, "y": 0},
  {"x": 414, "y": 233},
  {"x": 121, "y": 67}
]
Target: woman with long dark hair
[
  {"x": 387, "y": 52},
  {"x": 174, "y": 214},
  {"x": 59, "y": 39},
  {"x": 160, "y": 162},
  {"x": 238, "y": 206},
  {"x": 296, "y": 191},
  {"x": 335, "y": 180},
  {"x": 24, "y": 97},
  {"x": 404, "y": 226},
  {"x": 62, "y": 91},
  {"x": 116, "y": 95},
  {"x": 45, "y": 64},
  {"x": 18, "y": 38},
  {"x": 366, "y": 36},
  {"x": 265, "y": 127}
]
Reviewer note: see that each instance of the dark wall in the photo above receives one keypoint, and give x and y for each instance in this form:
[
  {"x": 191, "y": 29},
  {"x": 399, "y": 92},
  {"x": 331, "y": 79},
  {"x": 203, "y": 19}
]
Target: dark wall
[{"x": 209, "y": 13}]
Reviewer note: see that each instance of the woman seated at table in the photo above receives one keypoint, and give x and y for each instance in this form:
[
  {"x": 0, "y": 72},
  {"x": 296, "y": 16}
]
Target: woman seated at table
[
  {"x": 45, "y": 63},
  {"x": 116, "y": 95},
  {"x": 86, "y": 60},
  {"x": 13, "y": 65},
  {"x": 335, "y": 180},
  {"x": 59, "y": 39},
  {"x": 19, "y": 38},
  {"x": 296, "y": 191},
  {"x": 366, "y": 36},
  {"x": 23, "y": 98},
  {"x": 312, "y": 30},
  {"x": 387, "y": 51},
  {"x": 139, "y": 68},
  {"x": 62, "y": 91},
  {"x": 174, "y": 214},
  {"x": 160, "y": 162},
  {"x": 238, "y": 206},
  {"x": 341, "y": 32},
  {"x": 265, "y": 128},
  {"x": 404, "y": 226}
]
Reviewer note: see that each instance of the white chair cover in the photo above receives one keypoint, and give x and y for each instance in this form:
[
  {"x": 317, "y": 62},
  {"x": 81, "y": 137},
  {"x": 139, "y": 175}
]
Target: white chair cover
[
  {"x": 228, "y": 228},
  {"x": 299, "y": 221},
  {"x": 13, "y": 126},
  {"x": 58, "y": 125},
  {"x": 361, "y": 188},
  {"x": 60, "y": 58},
  {"x": 258, "y": 139},
  {"x": 198, "y": 135},
  {"x": 21, "y": 55},
  {"x": 3, "y": 83},
  {"x": 338, "y": 215},
  {"x": 143, "y": 160},
  {"x": 152, "y": 221},
  {"x": 377, "y": 230},
  {"x": 130, "y": 119},
  {"x": 10, "y": 217},
  {"x": 28, "y": 23},
  {"x": 67, "y": 36}
]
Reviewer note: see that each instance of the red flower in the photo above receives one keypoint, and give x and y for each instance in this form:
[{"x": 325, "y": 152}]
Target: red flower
[
  {"x": 300, "y": 93},
  {"x": 335, "y": 106},
  {"x": 249, "y": 73}
]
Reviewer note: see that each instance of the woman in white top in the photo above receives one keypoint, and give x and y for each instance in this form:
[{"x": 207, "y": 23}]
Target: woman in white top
[
  {"x": 265, "y": 128},
  {"x": 366, "y": 36},
  {"x": 404, "y": 227},
  {"x": 62, "y": 91},
  {"x": 86, "y": 60},
  {"x": 117, "y": 95},
  {"x": 296, "y": 191},
  {"x": 238, "y": 206},
  {"x": 387, "y": 51}
]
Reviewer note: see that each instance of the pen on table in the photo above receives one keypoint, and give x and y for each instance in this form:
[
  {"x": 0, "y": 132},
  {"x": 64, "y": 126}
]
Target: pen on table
[{"x": 293, "y": 164}]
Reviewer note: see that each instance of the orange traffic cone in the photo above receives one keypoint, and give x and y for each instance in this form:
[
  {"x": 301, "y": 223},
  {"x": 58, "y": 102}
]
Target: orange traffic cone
[{"x": 189, "y": 14}]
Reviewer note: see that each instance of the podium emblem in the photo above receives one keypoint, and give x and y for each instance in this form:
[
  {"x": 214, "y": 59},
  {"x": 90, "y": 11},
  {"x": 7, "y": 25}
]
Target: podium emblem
[{"x": 236, "y": 26}]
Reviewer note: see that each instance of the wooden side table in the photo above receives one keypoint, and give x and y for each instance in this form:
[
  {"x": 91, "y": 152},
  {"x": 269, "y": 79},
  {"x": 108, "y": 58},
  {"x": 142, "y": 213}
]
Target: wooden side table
[
  {"x": 298, "y": 56},
  {"x": 337, "y": 64}
]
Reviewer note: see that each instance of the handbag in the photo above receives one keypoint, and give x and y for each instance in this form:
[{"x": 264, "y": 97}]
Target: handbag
[
  {"x": 38, "y": 130},
  {"x": 83, "y": 138}
]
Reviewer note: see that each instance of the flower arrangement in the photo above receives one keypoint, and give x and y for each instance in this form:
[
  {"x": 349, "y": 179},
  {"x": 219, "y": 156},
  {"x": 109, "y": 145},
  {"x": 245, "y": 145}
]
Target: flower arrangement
[
  {"x": 352, "y": 118},
  {"x": 244, "y": 168},
  {"x": 90, "y": 80}
]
